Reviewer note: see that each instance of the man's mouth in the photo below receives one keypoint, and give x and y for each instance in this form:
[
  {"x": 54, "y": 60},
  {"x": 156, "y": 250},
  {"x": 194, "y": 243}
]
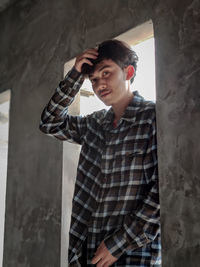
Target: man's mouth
[{"x": 104, "y": 93}]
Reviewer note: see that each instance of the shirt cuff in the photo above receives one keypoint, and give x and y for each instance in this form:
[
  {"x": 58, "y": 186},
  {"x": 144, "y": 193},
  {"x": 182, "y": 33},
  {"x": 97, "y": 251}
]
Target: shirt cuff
[
  {"x": 74, "y": 74},
  {"x": 116, "y": 243},
  {"x": 124, "y": 239}
]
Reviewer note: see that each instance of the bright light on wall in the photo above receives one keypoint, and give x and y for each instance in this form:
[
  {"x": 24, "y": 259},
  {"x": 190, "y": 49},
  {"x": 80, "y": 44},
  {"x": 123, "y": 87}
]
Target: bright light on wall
[
  {"x": 4, "y": 126},
  {"x": 144, "y": 81}
]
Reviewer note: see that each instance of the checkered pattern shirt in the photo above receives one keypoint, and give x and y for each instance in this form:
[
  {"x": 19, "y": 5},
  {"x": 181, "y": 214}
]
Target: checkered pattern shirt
[{"x": 116, "y": 191}]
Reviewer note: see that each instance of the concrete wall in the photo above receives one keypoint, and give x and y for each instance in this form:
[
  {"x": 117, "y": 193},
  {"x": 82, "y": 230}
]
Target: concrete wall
[{"x": 37, "y": 38}]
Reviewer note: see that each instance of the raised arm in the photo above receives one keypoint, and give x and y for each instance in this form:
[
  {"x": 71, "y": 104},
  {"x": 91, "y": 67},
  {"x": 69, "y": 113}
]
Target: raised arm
[{"x": 55, "y": 119}]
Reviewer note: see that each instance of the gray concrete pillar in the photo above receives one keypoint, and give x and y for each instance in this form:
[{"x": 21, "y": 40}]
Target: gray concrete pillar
[
  {"x": 33, "y": 199},
  {"x": 178, "y": 114}
]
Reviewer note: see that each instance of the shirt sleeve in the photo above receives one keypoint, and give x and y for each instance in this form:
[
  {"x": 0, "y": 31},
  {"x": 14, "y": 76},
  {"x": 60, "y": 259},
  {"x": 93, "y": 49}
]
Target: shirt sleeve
[
  {"x": 55, "y": 119},
  {"x": 142, "y": 226}
]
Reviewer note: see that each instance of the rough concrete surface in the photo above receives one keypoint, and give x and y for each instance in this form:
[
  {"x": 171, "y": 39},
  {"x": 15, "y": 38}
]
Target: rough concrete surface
[{"x": 37, "y": 38}]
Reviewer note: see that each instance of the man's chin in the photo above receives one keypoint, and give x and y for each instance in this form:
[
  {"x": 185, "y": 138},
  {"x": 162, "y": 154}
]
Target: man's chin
[{"x": 107, "y": 103}]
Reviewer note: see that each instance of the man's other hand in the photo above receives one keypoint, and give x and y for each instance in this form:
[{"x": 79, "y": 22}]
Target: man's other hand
[{"x": 103, "y": 258}]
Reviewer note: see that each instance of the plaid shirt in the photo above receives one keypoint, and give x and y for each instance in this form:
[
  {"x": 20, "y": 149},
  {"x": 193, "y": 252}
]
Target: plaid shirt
[{"x": 116, "y": 192}]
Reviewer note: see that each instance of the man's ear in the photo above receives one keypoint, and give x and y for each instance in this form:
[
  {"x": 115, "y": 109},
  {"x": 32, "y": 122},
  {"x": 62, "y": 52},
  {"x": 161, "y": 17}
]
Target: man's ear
[{"x": 130, "y": 71}]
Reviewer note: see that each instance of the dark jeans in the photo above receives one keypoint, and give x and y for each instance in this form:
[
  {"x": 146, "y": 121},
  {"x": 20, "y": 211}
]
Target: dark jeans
[{"x": 83, "y": 259}]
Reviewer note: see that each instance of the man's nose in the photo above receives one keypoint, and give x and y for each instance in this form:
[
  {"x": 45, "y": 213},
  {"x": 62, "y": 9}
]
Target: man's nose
[{"x": 101, "y": 85}]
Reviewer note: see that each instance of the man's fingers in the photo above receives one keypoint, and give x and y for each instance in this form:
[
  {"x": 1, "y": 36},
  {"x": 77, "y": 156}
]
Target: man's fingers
[
  {"x": 85, "y": 60},
  {"x": 100, "y": 247},
  {"x": 91, "y": 50},
  {"x": 103, "y": 263},
  {"x": 88, "y": 55},
  {"x": 78, "y": 64},
  {"x": 91, "y": 53},
  {"x": 103, "y": 258},
  {"x": 106, "y": 264},
  {"x": 96, "y": 259}
]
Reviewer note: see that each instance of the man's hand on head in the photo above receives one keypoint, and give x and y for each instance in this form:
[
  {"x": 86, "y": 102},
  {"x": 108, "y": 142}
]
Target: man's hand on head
[
  {"x": 85, "y": 57},
  {"x": 103, "y": 257}
]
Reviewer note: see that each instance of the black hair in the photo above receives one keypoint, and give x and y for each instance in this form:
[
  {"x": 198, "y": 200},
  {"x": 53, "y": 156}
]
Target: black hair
[{"x": 118, "y": 51}]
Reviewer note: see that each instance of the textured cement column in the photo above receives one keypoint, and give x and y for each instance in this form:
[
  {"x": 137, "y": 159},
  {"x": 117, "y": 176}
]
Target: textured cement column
[
  {"x": 178, "y": 112},
  {"x": 33, "y": 201}
]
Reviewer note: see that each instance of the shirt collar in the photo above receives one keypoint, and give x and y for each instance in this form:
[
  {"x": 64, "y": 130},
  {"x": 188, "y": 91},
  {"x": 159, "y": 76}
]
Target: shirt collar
[
  {"x": 130, "y": 111},
  {"x": 133, "y": 107}
]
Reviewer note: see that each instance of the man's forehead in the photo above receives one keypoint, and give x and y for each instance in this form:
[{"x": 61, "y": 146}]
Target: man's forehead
[{"x": 101, "y": 65}]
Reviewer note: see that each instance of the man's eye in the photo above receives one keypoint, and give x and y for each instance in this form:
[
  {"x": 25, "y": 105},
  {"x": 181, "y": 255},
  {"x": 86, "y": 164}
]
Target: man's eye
[{"x": 105, "y": 73}]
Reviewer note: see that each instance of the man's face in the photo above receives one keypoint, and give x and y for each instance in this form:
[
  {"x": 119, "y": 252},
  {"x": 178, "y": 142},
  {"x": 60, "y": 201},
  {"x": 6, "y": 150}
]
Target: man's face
[{"x": 109, "y": 82}]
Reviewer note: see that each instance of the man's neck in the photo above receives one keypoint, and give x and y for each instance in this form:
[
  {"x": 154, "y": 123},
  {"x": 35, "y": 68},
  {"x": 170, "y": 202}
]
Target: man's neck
[{"x": 119, "y": 108}]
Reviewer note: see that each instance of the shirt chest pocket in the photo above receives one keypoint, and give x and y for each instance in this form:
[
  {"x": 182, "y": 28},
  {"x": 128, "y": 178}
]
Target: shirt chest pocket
[
  {"x": 131, "y": 157},
  {"x": 134, "y": 159},
  {"x": 135, "y": 153}
]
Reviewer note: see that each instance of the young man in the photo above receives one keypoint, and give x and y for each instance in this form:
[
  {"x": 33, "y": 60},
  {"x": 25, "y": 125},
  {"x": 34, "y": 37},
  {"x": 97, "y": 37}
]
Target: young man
[{"x": 115, "y": 214}]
